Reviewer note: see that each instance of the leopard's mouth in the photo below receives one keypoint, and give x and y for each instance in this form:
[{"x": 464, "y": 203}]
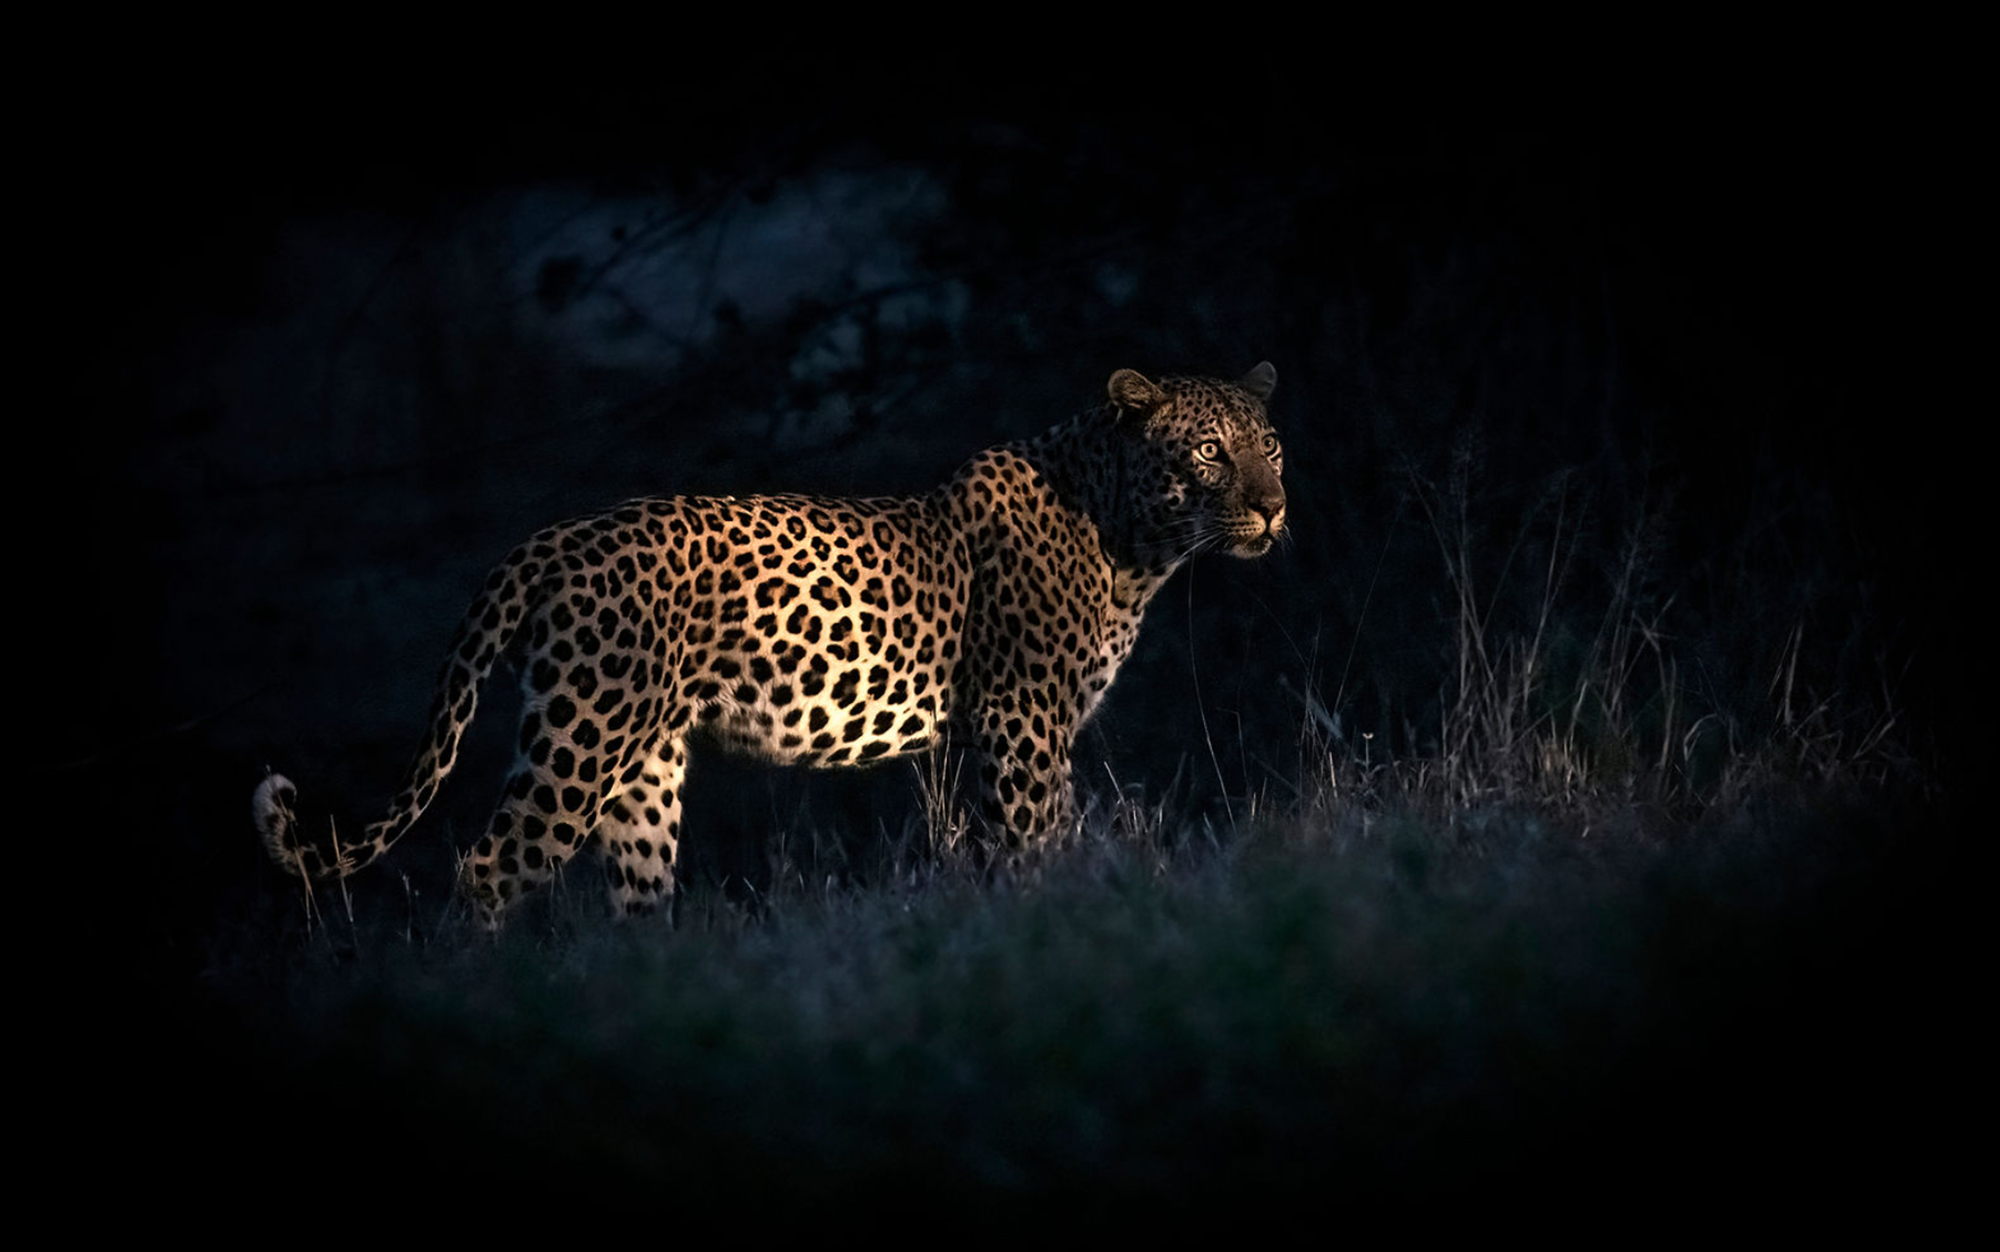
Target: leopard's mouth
[{"x": 1253, "y": 545}]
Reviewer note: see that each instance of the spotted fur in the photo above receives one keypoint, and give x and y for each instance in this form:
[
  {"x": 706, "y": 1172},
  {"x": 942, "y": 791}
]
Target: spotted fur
[{"x": 828, "y": 632}]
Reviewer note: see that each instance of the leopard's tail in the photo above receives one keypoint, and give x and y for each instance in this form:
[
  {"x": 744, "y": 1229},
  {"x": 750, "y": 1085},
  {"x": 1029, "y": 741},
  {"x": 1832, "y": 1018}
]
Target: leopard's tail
[{"x": 496, "y": 616}]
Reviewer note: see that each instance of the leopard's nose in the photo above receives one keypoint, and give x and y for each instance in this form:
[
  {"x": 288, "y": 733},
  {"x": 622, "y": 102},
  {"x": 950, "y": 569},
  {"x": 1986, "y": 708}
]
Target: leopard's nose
[{"x": 1273, "y": 513}]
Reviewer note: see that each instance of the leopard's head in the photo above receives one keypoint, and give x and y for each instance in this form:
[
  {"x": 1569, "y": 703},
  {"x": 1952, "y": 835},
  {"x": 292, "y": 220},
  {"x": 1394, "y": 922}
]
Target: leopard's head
[{"x": 1207, "y": 464}]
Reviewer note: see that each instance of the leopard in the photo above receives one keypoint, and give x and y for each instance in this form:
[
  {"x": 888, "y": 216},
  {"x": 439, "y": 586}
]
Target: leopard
[{"x": 992, "y": 612}]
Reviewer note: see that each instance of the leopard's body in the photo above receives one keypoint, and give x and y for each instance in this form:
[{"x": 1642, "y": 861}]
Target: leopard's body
[{"x": 828, "y": 632}]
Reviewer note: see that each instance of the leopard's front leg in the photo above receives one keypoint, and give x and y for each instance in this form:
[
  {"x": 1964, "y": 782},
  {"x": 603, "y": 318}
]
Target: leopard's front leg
[{"x": 1022, "y": 737}]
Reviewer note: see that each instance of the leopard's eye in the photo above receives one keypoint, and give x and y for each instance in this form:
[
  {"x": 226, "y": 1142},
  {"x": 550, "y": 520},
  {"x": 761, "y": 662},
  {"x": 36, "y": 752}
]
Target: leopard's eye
[
  {"x": 1209, "y": 450},
  {"x": 1270, "y": 445}
]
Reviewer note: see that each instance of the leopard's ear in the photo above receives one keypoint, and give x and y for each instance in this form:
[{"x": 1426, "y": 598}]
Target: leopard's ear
[
  {"x": 1129, "y": 389},
  {"x": 1261, "y": 381}
]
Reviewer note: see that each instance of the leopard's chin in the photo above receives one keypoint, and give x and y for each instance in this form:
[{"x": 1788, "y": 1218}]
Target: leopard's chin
[{"x": 1253, "y": 545}]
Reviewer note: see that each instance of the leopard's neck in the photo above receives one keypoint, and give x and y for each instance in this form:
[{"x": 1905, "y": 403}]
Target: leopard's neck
[{"x": 1095, "y": 469}]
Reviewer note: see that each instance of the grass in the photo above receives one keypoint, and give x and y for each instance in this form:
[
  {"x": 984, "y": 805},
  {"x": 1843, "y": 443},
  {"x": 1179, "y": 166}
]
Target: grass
[{"x": 1381, "y": 1009}]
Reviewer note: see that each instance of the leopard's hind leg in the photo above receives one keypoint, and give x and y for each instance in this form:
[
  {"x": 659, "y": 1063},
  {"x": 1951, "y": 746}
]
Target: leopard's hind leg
[{"x": 640, "y": 832}]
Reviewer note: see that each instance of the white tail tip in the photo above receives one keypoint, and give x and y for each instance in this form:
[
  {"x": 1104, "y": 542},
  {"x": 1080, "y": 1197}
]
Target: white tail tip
[{"x": 271, "y": 812}]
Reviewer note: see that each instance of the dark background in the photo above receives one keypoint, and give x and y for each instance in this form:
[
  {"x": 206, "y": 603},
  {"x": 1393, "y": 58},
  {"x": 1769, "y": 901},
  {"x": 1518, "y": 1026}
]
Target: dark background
[{"x": 1738, "y": 295}]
